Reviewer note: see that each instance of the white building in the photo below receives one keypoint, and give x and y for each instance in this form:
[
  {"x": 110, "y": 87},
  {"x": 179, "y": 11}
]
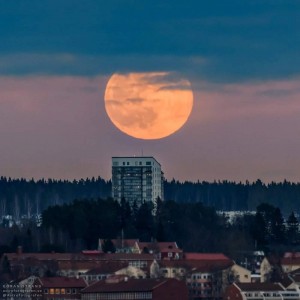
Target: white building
[{"x": 137, "y": 179}]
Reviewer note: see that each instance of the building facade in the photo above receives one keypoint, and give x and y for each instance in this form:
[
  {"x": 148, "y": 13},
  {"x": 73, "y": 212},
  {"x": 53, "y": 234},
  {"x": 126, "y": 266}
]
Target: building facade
[
  {"x": 137, "y": 179},
  {"x": 120, "y": 287}
]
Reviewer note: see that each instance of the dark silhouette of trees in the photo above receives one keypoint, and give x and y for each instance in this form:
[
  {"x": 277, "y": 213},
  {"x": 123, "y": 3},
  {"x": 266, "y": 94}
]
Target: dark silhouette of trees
[
  {"x": 24, "y": 198},
  {"x": 292, "y": 229},
  {"x": 108, "y": 246}
]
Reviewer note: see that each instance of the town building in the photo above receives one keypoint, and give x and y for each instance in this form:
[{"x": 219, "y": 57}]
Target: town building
[
  {"x": 260, "y": 290},
  {"x": 120, "y": 287},
  {"x": 50, "y": 288},
  {"x": 137, "y": 179}
]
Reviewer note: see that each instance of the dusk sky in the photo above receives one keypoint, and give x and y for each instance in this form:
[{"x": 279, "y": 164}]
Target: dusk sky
[{"x": 242, "y": 58}]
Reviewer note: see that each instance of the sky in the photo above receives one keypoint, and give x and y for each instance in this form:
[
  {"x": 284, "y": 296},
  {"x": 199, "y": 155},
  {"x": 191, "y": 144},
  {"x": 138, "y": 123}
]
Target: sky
[{"x": 241, "y": 57}]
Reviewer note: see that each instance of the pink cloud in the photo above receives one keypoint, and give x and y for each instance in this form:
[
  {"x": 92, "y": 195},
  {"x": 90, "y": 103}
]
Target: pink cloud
[{"x": 58, "y": 127}]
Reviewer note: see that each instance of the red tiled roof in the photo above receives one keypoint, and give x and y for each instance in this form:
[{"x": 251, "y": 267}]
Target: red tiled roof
[
  {"x": 61, "y": 282},
  {"x": 131, "y": 285},
  {"x": 42, "y": 256},
  {"x": 128, "y": 256},
  {"x": 159, "y": 246},
  {"x": 107, "y": 267},
  {"x": 290, "y": 261},
  {"x": 78, "y": 256},
  {"x": 91, "y": 252},
  {"x": 291, "y": 254},
  {"x": 205, "y": 256},
  {"x": 78, "y": 265},
  {"x": 197, "y": 265},
  {"x": 173, "y": 250},
  {"x": 259, "y": 286}
]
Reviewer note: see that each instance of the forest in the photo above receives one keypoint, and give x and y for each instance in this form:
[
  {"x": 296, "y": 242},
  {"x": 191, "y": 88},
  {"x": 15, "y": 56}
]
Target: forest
[
  {"x": 195, "y": 227},
  {"x": 75, "y": 214},
  {"x": 21, "y": 197}
]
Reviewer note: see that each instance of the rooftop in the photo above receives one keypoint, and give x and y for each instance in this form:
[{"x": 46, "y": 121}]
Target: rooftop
[
  {"x": 259, "y": 286},
  {"x": 127, "y": 285},
  {"x": 62, "y": 282}
]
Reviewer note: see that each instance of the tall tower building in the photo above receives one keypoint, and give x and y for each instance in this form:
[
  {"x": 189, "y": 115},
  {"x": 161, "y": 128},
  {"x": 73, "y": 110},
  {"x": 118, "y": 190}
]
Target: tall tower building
[{"x": 137, "y": 179}]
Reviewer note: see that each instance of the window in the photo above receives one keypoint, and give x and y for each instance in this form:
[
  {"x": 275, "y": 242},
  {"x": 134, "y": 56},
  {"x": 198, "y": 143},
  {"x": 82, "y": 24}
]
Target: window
[
  {"x": 63, "y": 291},
  {"x": 148, "y": 163},
  {"x": 73, "y": 291},
  {"x": 46, "y": 291},
  {"x": 51, "y": 291},
  {"x": 57, "y": 291},
  {"x": 170, "y": 254}
]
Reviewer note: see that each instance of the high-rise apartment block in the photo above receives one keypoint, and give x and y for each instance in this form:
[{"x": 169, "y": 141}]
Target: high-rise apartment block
[{"x": 137, "y": 179}]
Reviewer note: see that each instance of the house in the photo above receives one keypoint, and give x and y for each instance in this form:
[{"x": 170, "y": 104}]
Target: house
[
  {"x": 122, "y": 245},
  {"x": 50, "y": 288},
  {"x": 267, "y": 266},
  {"x": 240, "y": 274},
  {"x": 290, "y": 264},
  {"x": 207, "y": 282},
  {"x": 133, "y": 272},
  {"x": 162, "y": 250},
  {"x": 259, "y": 290},
  {"x": 291, "y": 255},
  {"x": 128, "y": 288},
  {"x": 23, "y": 265},
  {"x": 205, "y": 274},
  {"x": 103, "y": 270}
]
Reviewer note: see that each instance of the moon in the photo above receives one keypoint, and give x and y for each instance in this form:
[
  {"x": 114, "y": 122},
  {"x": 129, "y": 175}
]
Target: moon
[{"x": 149, "y": 105}]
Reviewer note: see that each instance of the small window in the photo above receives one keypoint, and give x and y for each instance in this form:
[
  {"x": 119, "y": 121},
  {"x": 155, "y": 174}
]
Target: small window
[
  {"x": 46, "y": 291},
  {"x": 148, "y": 163}
]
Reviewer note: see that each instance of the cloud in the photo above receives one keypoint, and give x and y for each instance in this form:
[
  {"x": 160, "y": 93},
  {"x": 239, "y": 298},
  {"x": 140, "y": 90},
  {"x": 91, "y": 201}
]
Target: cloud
[
  {"x": 55, "y": 126},
  {"x": 135, "y": 100},
  {"x": 212, "y": 40}
]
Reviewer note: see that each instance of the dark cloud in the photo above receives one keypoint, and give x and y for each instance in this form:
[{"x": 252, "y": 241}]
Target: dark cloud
[
  {"x": 114, "y": 102},
  {"x": 236, "y": 40}
]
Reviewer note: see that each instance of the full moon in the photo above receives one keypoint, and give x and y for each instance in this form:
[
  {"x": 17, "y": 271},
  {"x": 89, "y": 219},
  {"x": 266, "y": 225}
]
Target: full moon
[{"x": 148, "y": 105}]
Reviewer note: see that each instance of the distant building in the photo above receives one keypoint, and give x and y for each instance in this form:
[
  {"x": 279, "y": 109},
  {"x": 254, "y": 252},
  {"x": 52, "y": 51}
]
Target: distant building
[
  {"x": 257, "y": 291},
  {"x": 120, "y": 287},
  {"x": 49, "y": 288},
  {"x": 137, "y": 179}
]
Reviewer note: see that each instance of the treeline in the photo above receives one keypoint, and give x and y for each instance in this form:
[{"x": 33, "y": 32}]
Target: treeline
[
  {"x": 19, "y": 197},
  {"x": 226, "y": 195},
  {"x": 194, "y": 226}
]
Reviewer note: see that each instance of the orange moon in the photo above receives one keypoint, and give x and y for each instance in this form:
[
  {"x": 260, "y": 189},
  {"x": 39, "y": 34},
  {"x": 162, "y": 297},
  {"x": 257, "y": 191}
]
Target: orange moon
[{"x": 148, "y": 105}]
